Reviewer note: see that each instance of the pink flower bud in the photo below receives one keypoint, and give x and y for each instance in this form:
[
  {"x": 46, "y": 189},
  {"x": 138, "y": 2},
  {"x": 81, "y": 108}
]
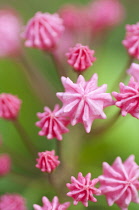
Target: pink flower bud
[
  {"x": 9, "y": 106},
  {"x": 120, "y": 182},
  {"x": 47, "y": 161},
  {"x": 54, "y": 205},
  {"x": 12, "y": 202},
  {"x": 5, "y": 164},
  {"x": 43, "y": 31},
  {"x": 82, "y": 189},
  {"x": 80, "y": 57}
]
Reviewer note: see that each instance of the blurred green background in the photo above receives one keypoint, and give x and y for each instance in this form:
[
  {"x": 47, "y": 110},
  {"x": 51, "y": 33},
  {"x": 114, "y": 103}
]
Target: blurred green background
[{"x": 121, "y": 140}]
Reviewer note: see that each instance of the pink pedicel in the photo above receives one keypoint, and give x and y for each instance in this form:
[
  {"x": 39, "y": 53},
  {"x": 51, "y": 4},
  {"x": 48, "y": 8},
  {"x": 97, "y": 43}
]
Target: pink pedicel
[
  {"x": 12, "y": 202},
  {"x": 80, "y": 57},
  {"x": 82, "y": 189},
  {"x": 131, "y": 41},
  {"x": 52, "y": 123},
  {"x": 5, "y": 164},
  {"x": 9, "y": 106},
  {"x": 134, "y": 71},
  {"x": 84, "y": 101},
  {"x": 10, "y": 26},
  {"x": 54, "y": 205},
  {"x": 119, "y": 182},
  {"x": 105, "y": 14},
  {"x": 47, "y": 161},
  {"x": 128, "y": 98},
  {"x": 43, "y": 31}
]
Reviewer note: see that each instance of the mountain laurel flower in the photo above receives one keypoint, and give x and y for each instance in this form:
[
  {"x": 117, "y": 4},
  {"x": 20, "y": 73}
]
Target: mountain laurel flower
[
  {"x": 105, "y": 14},
  {"x": 84, "y": 101},
  {"x": 80, "y": 57},
  {"x": 119, "y": 182},
  {"x": 12, "y": 202},
  {"x": 54, "y": 205},
  {"x": 43, "y": 31},
  {"x": 128, "y": 98},
  {"x": 10, "y": 26},
  {"x": 134, "y": 71},
  {"x": 5, "y": 164},
  {"x": 9, "y": 106},
  {"x": 47, "y": 161},
  {"x": 131, "y": 41},
  {"x": 52, "y": 123},
  {"x": 82, "y": 189}
]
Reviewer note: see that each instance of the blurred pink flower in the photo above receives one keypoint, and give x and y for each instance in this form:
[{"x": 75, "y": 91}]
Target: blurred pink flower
[
  {"x": 131, "y": 41},
  {"x": 5, "y": 164},
  {"x": 52, "y": 123},
  {"x": 119, "y": 182},
  {"x": 12, "y": 202},
  {"x": 80, "y": 57},
  {"x": 134, "y": 71},
  {"x": 105, "y": 13},
  {"x": 9, "y": 106},
  {"x": 82, "y": 189},
  {"x": 128, "y": 98},
  {"x": 84, "y": 101},
  {"x": 43, "y": 31},
  {"x": 54, "y": 205},
  {"x": 10, "y": 26},
  {"x": 47, "y": 161}
]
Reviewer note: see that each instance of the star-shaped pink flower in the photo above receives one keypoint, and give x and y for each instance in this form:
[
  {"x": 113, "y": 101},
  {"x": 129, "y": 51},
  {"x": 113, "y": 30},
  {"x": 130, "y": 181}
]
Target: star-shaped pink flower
[
  {"x": 82, "y": 189},
  {"x": 128, "y": 98},
  {"x": 84, "y": 101},
  {"x": 53, "y": 125},
  {"x": 120, "y": 182},
  {"x": 54, "y": 205}
]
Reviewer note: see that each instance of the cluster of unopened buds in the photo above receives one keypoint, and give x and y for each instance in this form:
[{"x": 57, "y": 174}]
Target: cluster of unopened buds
[{"x": 83, "y": 101}]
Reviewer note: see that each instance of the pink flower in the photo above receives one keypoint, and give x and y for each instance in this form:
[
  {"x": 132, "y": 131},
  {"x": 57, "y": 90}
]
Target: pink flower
[
  {"x": 80, "y": 57},
  {"x": 119, "y": 182},
  {"x": 82, "y": 189},
  {"x": 9, "y": 106},
  {"x": 105, "y": 14},
  {"x": 5, "y": 164},
  {"x": 128, "y": 98},
  {"x": 134, "y": 71},
  {"x": 84, "y": 101},
  {"x": 52, "y": 123},
  {"x": 54, "y": 205},
  {"x": 12, "y": 202},
  {"x": 47, "y": 161},
  {"x": 131, "y": 41},
  {"x": 9, "y": 33},
  {"x": 43, "y": 31}
]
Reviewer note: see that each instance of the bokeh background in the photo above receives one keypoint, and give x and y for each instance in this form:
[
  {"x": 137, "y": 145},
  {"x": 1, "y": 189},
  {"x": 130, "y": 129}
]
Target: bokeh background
[{"x": 120, "y": 140}]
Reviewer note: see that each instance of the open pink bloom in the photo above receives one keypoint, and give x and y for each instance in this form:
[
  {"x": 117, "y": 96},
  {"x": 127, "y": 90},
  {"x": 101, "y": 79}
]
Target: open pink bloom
[
  {"x": 131, "y": 41},
  {"x": 12, "y": 202},
  {"x": 54, "y": 205},
  {"x": 9, "y": 106},
  {"x": 5, "y": 164},
  {"x": 82, "y": 189},
  {"x": 80, "y": 57},
  {"x": 128, "y": 98},
  {"x": 52, "y": 123},
  {"x": 47, "y": 161},
  {"x": 43, "y": 31},
  {"x": 105, "y": 14},
  {"x": 134, "y": 71},
  {"x": 84, "y": 101},
  {"x": 119, "y": 182},
  {"x": 9, "y": 33}
]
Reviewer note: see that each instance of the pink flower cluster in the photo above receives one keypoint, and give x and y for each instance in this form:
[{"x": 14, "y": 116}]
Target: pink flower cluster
[
  {"x": 54, "y": 205},
  {"x": 47, "y": 161},
  {"x": 5, "y": 164}
]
